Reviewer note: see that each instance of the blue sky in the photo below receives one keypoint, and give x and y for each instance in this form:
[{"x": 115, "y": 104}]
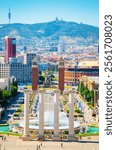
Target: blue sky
[{"x": 35, "y": 11}]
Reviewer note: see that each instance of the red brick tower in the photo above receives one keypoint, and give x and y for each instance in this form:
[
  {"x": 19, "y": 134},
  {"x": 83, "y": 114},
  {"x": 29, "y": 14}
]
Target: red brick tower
[
  {"x": 61, "y": 69},
  {"x": 35, "y": 75},
  {"x": 10, "y": 44}
]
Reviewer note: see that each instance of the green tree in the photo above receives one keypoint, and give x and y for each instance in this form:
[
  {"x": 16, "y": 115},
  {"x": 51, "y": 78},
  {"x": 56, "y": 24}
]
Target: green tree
[
  {"x": 6, "y": 95},
  {"x": 42, "y": 78},
  {"x": 13, "y": 90},
  {"x": 77, "y": 111},
  {"x": 1, "y": 94},
  {"x": 40, "y": 72},
  {"x": 67, "y": 111},
  {"x": 90, "y": 94},
  {"x": 80, "y": 87},
  {"x": 90, "y": 97},
  {"x": 52, "y": 77},
  {"x": 85, "y": 92},
  {"x": 14, "y": 83}
]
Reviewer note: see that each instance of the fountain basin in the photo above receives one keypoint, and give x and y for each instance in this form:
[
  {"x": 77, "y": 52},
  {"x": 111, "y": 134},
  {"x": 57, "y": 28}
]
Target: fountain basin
[{"x": 49, "y": 121}]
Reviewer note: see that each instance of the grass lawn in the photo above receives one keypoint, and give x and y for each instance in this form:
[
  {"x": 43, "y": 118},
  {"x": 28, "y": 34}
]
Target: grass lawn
[
  {"x": 11, "y": 133},
  {"x": 66, "y": 87},
  {"x": 87, "y": 134}
]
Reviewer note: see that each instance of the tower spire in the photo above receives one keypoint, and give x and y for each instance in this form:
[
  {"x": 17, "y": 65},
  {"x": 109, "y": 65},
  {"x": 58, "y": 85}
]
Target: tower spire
[{"x": 9, "y": 15}]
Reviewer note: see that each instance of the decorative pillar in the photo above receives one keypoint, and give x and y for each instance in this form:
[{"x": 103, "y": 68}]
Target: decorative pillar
[
  {"x": 35, "y": 74},
  {"x": 56, "y": 115},
  {"x": 88, "y": 85},
  {"x": 71, "y": 115},
  {"x": 97, "y": 117},
  {"x": 12, "y": 119},
  {"x": 85, "y": 81},
  {"x": 61, "y": 69},
  {"x": 41, "y": 114},
  {"x": 26, "y": 115},
  {"x": 91, "y": 85},
  {"x": 95, "y": 99}
]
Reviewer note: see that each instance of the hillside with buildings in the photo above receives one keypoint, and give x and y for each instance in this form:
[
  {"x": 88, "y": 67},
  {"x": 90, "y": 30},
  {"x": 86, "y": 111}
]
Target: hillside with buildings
[{"x": 55, "y": 33}]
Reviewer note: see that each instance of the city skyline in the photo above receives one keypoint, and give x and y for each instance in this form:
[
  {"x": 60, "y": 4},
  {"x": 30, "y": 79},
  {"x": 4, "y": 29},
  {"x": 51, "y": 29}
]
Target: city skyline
[{"x": 37, "y": 11}]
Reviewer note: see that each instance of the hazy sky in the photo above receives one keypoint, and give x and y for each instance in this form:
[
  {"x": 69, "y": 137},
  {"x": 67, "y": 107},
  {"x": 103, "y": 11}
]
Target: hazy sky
[{"x": 35, "y": 11}]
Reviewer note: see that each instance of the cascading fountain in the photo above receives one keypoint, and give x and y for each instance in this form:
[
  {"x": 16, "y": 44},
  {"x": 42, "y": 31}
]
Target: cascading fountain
[
  {"x": 49, "y": 117},
  {"x": 49, "y": 121}
]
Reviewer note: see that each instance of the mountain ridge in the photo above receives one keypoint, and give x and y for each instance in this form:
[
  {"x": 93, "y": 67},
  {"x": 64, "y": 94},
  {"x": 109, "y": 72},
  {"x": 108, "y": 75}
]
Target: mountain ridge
[{"x": 53, "y": 30}]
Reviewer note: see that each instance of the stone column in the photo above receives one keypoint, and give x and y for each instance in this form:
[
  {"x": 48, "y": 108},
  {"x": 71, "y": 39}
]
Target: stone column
[
  {"x": 61, "y": 70},
  {"x": 91, "y": 85},
  {"x": 26, "y": 115},
  {"x": 88, "y": 85},
  {"x": 12, "y": 119},
  {"x": 95, "y": 99},
  {"x": 97, "y": 117},
  {"x": 41, "y": 114},
  {"x": 71, "y": 115},
  {"x": 85, "y": 81},
  {"x": 56, "y": 115}
]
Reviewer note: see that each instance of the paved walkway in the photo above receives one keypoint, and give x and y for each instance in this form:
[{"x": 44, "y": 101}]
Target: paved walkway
[
  {"x": 14, "y": 143},
  {"x": 87, "y": 111},
  {"x": 12, "y": 107}
]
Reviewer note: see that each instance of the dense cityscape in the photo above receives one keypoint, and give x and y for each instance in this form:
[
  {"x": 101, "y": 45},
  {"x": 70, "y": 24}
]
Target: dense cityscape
[{"x": 49, "y": 86}]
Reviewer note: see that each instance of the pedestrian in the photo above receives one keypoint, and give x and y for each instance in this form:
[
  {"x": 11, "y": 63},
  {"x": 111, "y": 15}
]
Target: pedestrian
[
  {"x": 61, "y": 145},
  {"x": 41, "y": 144}
]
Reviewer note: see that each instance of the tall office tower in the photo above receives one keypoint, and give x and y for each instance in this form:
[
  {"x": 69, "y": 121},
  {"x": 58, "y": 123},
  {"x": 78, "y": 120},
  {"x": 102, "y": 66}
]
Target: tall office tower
[
  {"x": 5, "y": 74},
  {"x": 61, "y": 69},
  {"x": 35, "y": 74},
  {"x": 10, "y": 44},
  {"x": 22, "y": 72},
  {"x": 4, "y": 70}
]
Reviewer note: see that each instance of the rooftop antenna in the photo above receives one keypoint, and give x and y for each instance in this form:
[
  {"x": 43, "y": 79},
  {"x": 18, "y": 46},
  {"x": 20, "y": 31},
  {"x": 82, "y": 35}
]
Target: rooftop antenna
[
  {"x": 77, "y": 61},
  {"x": 9, "y": 13}
]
